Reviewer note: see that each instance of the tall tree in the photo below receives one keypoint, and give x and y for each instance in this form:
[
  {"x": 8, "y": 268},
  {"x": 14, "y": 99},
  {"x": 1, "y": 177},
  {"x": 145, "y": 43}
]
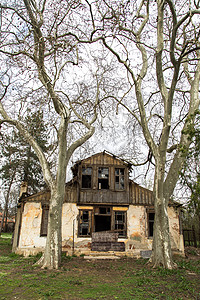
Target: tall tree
[
  {"x": 35, "y": 45},
  {"x": 156, "y": 44},
  {"x": 18, "y": 157},
  {"x": 19, "y": 162},
  {"x": 190, "y": 174}
]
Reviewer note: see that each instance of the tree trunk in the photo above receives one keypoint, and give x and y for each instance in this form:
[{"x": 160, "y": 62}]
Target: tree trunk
[
  {"x": 199, "y": 232},
  {"x": 161, "y": 254},
  {"x": 53, "y": 249}
]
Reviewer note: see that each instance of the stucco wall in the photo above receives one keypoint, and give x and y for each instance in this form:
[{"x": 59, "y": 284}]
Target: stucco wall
[
  {"x": 30, "y": 226},
  {"x": 137, "y": 229},
  {"x": 174, "y": 228}
]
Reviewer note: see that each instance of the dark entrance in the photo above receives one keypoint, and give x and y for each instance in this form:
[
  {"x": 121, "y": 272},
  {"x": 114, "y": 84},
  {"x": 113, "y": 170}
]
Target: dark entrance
[{"x": 102, "y": 223}]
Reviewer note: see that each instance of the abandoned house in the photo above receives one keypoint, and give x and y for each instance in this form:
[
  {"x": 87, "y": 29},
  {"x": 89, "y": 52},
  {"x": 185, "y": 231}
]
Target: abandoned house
[{"x": 103, "y": 211}]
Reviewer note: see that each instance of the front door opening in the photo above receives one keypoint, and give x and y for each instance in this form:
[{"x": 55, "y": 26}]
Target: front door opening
[{"x": 102, "y": 223}]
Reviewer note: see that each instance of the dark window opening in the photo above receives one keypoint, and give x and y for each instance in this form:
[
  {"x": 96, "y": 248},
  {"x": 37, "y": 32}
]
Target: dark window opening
[
  {"x": 86, "y": 178},
  {"x": 103, "y": 178},
  {"x": 119, "y": 179},
  {"x": 102, "y": 223},
  {"x": 104, "y": 210},
  {"x": 151, "y": 224},
  {"x": 85, "y": 222},
  {"x": 120, "y": 223},
  {"x": 44, "y": 222}
]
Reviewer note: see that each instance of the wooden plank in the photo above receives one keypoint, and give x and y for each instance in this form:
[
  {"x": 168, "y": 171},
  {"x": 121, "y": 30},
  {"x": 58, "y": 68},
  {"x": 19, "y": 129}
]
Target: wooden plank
[{"x": 120, "y": 208}]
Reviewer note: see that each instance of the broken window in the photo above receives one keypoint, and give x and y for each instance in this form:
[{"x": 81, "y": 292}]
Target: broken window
[
  {"x": 119, "y": 179},
  {"x": 104, "y": 210},
  {"x": 120, "y": 223},
  {"x": 85, "y": 218},
  {"x": 44, "y": 222},
  {"x": 87, "y": 178},
  {"x": 103, "y": 178},
  {"x": 150, "y": 223}
]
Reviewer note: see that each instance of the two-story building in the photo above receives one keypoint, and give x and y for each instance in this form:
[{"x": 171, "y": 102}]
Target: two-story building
[{"x": 103, "y": 211}]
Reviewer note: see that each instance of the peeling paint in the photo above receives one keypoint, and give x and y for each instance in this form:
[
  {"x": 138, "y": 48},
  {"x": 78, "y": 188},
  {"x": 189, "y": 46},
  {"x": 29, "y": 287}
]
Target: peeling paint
[
  {"x": 136, "y": 237},
  {"x": 136, "y": 229}
]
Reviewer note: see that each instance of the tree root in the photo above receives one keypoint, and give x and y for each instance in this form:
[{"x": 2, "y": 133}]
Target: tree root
[
  {"x": 160, "y": 264},
  {"x": 40, "y": 261}
]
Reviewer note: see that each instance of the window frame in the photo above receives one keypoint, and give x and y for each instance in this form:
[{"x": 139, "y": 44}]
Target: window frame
[
  {"x": 124, "y": 222},
  {"x": 91, "y": 181},
  {"x": 96, "y": 210},
  {"x": 81, "y": 211},
  {"x": 150, "y": 221},
  {"x": 44, "y": 220},
  {"x": 104, "y": 179},
  {"x": 119, "y": 176}
]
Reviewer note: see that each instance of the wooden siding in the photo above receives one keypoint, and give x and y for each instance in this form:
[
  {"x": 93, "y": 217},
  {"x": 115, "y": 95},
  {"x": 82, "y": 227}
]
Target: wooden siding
[
  {"x": 137, "y": 195},
  {"x": 132, "y": 193},
  {"x": 104, "y": 197},
  {"x": 140, "y": 195},
  {"x": 44, "y": 197}
]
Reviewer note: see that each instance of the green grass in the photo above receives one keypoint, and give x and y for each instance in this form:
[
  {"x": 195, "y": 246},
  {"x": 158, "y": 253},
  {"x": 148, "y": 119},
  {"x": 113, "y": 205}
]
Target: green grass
[{"x": 81, "y": 279}]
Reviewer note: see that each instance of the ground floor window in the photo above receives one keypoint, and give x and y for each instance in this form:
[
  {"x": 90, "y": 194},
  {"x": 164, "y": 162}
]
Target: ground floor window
[
  {"x": 44, "y": 222},
  {"x": 102, "y": 219},
  {"x": 150, "y": 216},
  {"x": 120, "y": 223},
  {"x": 85, "y": 218}
]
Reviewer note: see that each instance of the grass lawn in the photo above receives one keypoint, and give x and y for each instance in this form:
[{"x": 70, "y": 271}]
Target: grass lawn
[{"x": 126, "y": 278}]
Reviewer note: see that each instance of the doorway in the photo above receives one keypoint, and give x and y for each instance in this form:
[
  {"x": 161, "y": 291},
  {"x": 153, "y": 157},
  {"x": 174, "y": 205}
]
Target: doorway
[{"x": 102, "y": 223}]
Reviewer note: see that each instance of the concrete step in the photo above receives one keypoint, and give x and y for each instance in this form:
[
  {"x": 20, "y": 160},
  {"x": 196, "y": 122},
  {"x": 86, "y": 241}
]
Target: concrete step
[{"x": 93, "y": 257}]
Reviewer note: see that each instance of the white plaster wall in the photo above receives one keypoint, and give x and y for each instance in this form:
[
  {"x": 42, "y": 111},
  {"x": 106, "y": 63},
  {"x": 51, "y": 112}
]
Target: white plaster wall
[
  {"x": 69, "y": 217},
  {"x": 135, "y": 222},
  {"x": 137, "y": 228},
  {"x": 30, "y": 227},
  {"x": 70, "y": 214},
  {"x": 174, "y": 228}
]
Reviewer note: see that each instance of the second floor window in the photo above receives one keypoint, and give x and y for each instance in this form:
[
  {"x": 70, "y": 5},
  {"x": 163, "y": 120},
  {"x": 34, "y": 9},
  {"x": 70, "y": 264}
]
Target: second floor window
[
  {"x": 103, "y": 178},
  {"x": 119, "y": 179},
  {"x": 86, "y": 178}
]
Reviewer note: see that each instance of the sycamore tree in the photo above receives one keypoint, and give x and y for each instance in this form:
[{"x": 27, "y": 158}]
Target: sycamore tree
[
  {"x": 47, "y": 70},
  {"x": 190, "y": 177},
  {"x": 156, "y": 46}
]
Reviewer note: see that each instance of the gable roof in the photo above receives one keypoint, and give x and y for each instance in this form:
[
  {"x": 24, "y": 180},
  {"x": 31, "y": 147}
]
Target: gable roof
[
  {"x": 104, "y": 157},
  {"x": 101, "y": 158}
]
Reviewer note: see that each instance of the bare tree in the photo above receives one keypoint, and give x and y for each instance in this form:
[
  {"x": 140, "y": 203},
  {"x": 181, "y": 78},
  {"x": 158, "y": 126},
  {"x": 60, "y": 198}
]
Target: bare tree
[
  {"x": 34, "y": 46},
  {"x": 157, "y": 43}
]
